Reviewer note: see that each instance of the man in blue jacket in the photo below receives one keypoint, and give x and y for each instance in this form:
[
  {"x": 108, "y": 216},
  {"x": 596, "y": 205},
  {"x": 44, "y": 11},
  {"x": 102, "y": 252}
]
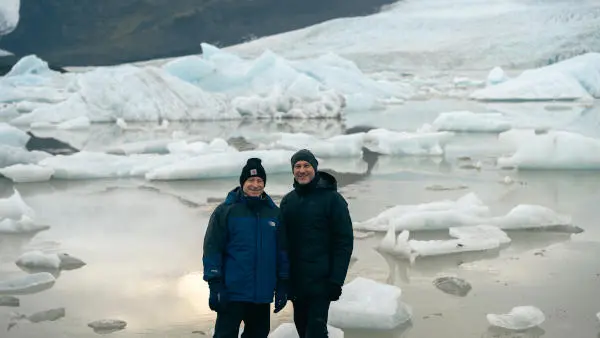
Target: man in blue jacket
[{"x": 245, "y": 257}]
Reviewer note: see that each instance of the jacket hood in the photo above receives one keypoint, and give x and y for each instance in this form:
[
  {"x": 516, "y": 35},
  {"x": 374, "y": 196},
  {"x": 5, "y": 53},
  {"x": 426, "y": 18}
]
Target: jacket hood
[{"x": 236, "y": 195}]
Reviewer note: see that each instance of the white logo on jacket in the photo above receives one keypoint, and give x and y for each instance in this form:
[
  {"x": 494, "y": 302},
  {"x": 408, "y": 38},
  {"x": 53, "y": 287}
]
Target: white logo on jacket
[{"x": 271, "y": 223}]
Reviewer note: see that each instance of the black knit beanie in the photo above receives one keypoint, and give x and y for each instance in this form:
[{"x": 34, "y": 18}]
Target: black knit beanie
[
  {"x": 253, "y": 168},
  {"x": 305, "y": 155}
]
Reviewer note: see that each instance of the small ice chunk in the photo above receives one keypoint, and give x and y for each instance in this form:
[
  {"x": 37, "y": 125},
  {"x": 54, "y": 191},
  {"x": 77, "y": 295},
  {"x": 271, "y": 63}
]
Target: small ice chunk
[
  {"x": 27, "y": 173},
  {"x": 598, "y": 315},
  {"x": 38, "y": 317},
  {"x": 37, "y": 260},
  {"x": 9, "y": 301},
  {"x": 28, "y": 284},
  {"x": 496, "y": 76},
  {"x": 68, "y": 262},
  {"x": 14, "y": 207},
  {"x": 466, "y": 121},
  {"x": 288, "y": 330},
  {"x": 453, "y": 285},
  {"x": 12, "y": 136},
  {"x": 444, "y": 247},
  {"x": 519, "y": 318},
  {"x": 107, "y": 325},
  {"x": 526, "y": 216},
  {"x": 367, "y": 304}
]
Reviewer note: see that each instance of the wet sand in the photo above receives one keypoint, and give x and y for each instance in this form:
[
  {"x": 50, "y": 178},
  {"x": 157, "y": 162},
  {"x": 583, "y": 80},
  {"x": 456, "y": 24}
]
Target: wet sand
[{"x": 143, "y": 250}]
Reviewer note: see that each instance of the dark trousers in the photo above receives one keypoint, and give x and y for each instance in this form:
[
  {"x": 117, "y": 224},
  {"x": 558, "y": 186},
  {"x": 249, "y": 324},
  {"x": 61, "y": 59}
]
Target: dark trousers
[
  {"x": 256, "y": 318},
  {"x": 310, "y": 317}
]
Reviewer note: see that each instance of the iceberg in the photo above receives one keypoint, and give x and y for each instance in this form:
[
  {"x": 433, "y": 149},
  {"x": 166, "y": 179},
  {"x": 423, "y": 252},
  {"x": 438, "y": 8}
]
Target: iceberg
[
  {"x": 28, "y": 284},
  {"x": 27, "y": 173},
  {"x": 336, "y": 146},
  {"x": 221, "y": 165},
  {"x": 577, "y": 78},
  {"x": 367, "y": 304},
  {"x": 421, "y": 143},
  {"x": 519, "y": 318},
  {"x": 24, "y": 225},
  {"x": 553, "y": 150},
  {"x": 466, "y": 121},
  {"x": 37, "y": 260},
  {"x": 10, "y": 155},
  {"x": 14, "y": 207},
  {"x": 11, "y": 136},
  {"x": 9, "y": 16}
]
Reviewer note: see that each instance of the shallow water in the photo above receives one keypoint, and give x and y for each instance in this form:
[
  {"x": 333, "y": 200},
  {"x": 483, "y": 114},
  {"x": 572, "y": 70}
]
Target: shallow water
[{"x": 142, "y": 242}]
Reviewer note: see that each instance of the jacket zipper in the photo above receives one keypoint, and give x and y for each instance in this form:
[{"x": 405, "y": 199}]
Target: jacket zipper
[{"x": 256, "y": 256}]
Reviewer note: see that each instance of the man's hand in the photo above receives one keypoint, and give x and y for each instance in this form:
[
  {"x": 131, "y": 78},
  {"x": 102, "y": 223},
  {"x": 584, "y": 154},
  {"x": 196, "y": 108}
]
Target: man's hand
[
  {"x": 281, "y": 295},
  {"x": 217, "y": 300}
]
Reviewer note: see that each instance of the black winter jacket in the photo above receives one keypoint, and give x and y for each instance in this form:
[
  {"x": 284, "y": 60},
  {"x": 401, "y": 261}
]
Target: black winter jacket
[{"x": 320, "y": 236}]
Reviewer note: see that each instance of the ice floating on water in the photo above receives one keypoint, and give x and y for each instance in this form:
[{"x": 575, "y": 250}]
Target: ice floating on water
[
  {"x": 9, "y": 301},
  {"x": 453, "y": 285},
  {"x": 496, "y": 76},
  {"x": 336, "y": 146},
  {"x": 9, "y": 16},
  {"x": 104, "y": 326},
  {"x": 10, "y": 155},
  {"x": 37, "y": 260},
  {"x": 575, "y": 78},
  {"x": 401, "y": 143},
  {"x": 12, "y": 136},
  {"x": 29, "y": 284},
  {"x": 466, "y": 121},
  {"x": 38, "y": 317},
  {"x": 468, "y": 210},
  {"x": 217, "y": 145},
  {"x": 288, "y": 330},
  {"x": 482, "y": 231},
  {"x": 14, "y": 207},
  {"x": 367, "y": 304},
  {"x": 25, "y": 225},
  {"x": 551, "y": 150},
  {"x": 221, "y": 165},
  {"x": 519, "y": 318},
  {"x": 27, "y": 173}
]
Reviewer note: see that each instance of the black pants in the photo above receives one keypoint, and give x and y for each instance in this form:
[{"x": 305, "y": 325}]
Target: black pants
[
  {"x": 310, "y": 317},
  {"x": 256, "y": 318}
]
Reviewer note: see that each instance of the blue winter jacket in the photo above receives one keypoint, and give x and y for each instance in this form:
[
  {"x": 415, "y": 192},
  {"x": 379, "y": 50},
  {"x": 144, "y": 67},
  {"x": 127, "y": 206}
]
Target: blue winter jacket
[{"x": 246, "y": 248}]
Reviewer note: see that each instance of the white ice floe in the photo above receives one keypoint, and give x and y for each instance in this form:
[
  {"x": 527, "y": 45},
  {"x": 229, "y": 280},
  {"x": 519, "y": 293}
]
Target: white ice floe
[
  {"x": 27, "y": 284},
  {"x": 336, "y": 146},
  {"x": 288, "y": 330},
  {"x": 33, "y": 260},
  {"x": 480, "y": 231},
  {"x": 10, "y": 155},
  {"x": 14, "y": 207},
  {"x": 403, "y": 143},
  {"x": 217, "y": 145},
  {"x": 496, "y": 76},
  {"x": 572, "y": 79},
  {"x": 221, "y": 165},
  {"x": 466, "y": 121},
  {"x": 551, "y": 150},
  {"x": 519, "y": 318},
  {"x": 25, "y": 225},
  {"x": 12, "y": 136},
  {"x": 27, "y": 173},
  {"x": 37, "y": 260},
  {"x": 468, "y": 210},
  {"x": 367, "y": 304},
  {"x": 108, "y": 325},
  {"x": 9, "y": 16}
]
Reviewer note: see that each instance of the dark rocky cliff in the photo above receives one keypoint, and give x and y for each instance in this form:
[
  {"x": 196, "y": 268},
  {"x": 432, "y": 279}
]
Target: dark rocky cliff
[{"x": 103, "y": 32}]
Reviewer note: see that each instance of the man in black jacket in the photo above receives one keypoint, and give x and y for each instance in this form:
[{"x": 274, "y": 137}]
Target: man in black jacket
[{"x": 320, "y": 243}]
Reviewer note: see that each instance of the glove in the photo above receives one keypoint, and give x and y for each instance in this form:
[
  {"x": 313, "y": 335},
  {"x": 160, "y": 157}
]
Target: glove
[
  {"x": 217, "y": 300},
  {"x": 334, "y": 291},
  {"x": 281, "y": 295}
]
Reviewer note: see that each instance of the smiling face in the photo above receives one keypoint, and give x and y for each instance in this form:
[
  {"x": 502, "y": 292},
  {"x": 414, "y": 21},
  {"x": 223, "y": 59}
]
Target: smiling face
[
  {"x": 303, "y": 172},
  {"x": 254, "y": 186}
]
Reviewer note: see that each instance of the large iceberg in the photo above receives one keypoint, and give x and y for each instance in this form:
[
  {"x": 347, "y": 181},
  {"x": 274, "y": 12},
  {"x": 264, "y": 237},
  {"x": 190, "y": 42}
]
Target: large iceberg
[
  {"x": 577, "y": 78},
  {"x": 550, "y": 150}
]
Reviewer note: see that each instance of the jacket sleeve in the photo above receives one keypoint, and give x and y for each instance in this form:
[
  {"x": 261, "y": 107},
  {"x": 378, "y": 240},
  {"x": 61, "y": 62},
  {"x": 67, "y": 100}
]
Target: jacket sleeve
[
  {"x": 215, "y": 241},
  {"x": 342, "y": 239},
  {"x": 283, "y": 263}
]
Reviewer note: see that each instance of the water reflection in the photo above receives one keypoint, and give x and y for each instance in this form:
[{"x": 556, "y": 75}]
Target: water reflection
[
  {"x": 497, "y": 332},
  {"x": 401, "y": 332}
]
